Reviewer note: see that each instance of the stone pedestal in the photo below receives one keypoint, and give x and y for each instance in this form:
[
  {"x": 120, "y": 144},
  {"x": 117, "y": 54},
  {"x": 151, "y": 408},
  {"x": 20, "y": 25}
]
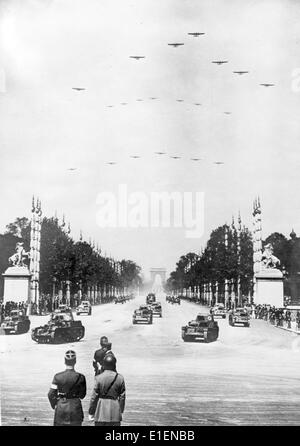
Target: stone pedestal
[
  {"x": 16, "y": 284},
  {"x": 269, "y": 287}
]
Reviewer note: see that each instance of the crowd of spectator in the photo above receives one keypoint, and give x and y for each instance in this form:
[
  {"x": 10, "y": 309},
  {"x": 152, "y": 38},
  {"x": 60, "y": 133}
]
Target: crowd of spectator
[
  {"x": 48, "y": 304},
  {"x": 280, "y": 317},
  {"x": 9, "y": 306}
]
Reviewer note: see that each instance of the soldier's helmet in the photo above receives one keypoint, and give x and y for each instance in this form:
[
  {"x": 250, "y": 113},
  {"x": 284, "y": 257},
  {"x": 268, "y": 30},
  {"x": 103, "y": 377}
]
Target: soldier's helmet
[
  {"x": 103, "y": 341},
  {"x": 70, "y": 357},
  {"x": 109, "y": 362}
]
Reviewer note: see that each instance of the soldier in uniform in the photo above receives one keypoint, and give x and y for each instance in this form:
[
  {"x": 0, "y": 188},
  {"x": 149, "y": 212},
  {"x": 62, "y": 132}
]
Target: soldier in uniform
[
  {"x": 100, "y": 354},
  {"x": 108, "y": 398},
  {"x": 67, "y": 390}
]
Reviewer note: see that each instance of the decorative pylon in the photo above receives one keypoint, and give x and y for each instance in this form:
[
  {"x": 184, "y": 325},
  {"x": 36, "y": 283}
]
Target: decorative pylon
[
  {"x": 35, "y": 245},
  {"x": 63, "y": 224},
  {"x": 239, "y": 230},
  {"x": 257, "y": 241},
  {"x": 226, "y": 294}
]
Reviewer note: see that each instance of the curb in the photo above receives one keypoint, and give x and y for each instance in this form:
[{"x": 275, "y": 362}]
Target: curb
[{"x": 288, "y": 329}]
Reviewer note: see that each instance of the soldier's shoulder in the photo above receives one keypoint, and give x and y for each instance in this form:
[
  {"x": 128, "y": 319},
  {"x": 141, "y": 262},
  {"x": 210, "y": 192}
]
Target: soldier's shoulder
[
  {"x": 59, "y": 374},
  {"x": 121, "y": 377},
  {"x": 98, "y": 351}
]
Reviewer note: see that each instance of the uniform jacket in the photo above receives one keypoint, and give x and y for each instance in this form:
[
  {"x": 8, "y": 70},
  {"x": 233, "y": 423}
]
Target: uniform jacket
[
  {"x": 66, "y": 391},
  {"x": 98, "y": 359},
  {"x": 108, "y": 409}
]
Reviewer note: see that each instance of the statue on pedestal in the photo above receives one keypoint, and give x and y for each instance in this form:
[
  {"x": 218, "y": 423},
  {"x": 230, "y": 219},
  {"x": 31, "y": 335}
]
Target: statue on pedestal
[
  {"x": 17, "y": 259},
  {"x": 268, "y": 260}
]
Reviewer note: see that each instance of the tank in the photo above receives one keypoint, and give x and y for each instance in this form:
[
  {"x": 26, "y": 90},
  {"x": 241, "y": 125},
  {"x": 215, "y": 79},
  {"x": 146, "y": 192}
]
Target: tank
[
  {"x": 143, "y": 314},
  {"x": 204, "y": 328},
  {"x": 16, "y": 323},
  {"x": 150, "y": 298},
  {"x": 60, "y": 328}
]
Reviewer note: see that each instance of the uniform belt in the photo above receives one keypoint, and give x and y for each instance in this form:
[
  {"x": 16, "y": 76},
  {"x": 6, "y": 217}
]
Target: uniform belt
[
  {"x": 107, "y": 397},
  {"x": 68, "y": 397}
]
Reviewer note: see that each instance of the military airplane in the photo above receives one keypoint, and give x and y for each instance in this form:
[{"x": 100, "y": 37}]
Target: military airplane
[
  {"x": 123, "y": 103},
  {"x": 196, "y": 34},
  {"x": 160, "y": 153},
  {"x": 137, "y": 57},
  {"x": 240, "y": 72},
  {"x": 180, "y": 100},
  {"x": 111, "y": 163},
  {"x": 110, "y": 106},
  {"x": 72, "y": 168},
  {"x": 220, "y": 62},
  {"x": 218, "y": 162},
  {"x": 175, "y": 45},
  {"x": 152, "y": 98},
  {"x": 197, "y": 103},
  {"x": 195, "y": 159},
  {"x": 175, "y": 157},
  {"x": 134, "y": 156},
  {"x": 78, "y": 88},
  {"x": 227, "y": 113},
  {"x": 139, "y": 100},
  {"x": 267, "y": 85}
]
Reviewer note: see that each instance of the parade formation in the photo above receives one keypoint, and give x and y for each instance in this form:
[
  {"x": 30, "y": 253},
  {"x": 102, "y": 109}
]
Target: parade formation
[{"x": 149, "y": 256}]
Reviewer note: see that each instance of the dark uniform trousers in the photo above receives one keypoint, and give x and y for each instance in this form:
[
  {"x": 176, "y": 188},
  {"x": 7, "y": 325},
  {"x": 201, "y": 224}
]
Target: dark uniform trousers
[{"x": 67, "y": 390}]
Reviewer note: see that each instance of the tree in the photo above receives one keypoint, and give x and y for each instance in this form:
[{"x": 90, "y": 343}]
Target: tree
[{"x": 20, "y": 228}]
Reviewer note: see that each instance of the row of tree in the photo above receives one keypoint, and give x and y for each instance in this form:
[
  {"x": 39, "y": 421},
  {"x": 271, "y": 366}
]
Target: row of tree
[
  {"x": 229, "y": 256},
  {"x": 62, "y": 259}
]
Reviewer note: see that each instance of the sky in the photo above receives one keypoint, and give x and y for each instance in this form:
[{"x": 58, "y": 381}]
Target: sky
[{"x": 47, "y": 47}]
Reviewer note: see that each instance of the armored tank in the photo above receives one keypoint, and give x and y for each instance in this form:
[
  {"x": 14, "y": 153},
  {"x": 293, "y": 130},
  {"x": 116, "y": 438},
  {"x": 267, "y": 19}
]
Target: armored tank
[
  {"x": 60, "y": 328},
  {"x": 16, "y": 323},
  {"x": 150, "y": 298},
  {"x": 143, "y": 314},
  {"x": 204, "y": 328}
]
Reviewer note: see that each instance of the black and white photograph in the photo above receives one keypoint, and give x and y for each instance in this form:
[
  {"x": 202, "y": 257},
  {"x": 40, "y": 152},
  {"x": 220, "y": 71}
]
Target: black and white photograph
[{"x": 150, "y": 222}]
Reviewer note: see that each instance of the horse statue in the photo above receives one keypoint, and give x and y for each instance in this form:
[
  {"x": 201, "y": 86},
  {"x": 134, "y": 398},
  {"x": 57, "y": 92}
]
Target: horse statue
[
  {"x": 268, "y": 259},
  {"x": 17, "y": 259}
]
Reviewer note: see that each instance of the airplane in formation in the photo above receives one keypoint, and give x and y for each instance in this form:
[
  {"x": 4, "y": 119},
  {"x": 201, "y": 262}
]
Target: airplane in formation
[
  {"x": 219, "y": 62},
  {"x": 175, "y": 45},
  {"x": 152, "y": 98},
  {"x": 196, "y": 34},
  {"x": 139, "y": 100},
  {"x": 78, "y": 88},
  {"x": 197, "y": 103},
  {"x": 175, "y": 157},
  {"x": 227, "y": 113},
  {"x": 240, "y": 72},
  {"x": 180, "y": 100},
  {"x": 134, "y": 156},
  {"x": 195, "y": 159},
  {"x": 137, "y": 57},
  {"x": 111, "y": 163},
  {"x": 72, "y": 168},
  {"x": 267, "y": 85},
  {"x": 218, "y": 162},
  {"x": 123, "y": 103},
  {"x": 160, "y": 153}
]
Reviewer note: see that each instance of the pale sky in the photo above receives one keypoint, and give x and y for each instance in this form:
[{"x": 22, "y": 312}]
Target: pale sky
[{"x": 49, "y": 46}]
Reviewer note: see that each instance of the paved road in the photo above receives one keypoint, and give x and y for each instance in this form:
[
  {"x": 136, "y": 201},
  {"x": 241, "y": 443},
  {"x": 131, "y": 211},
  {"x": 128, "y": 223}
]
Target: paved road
[{"x": 249, "y": 376}]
